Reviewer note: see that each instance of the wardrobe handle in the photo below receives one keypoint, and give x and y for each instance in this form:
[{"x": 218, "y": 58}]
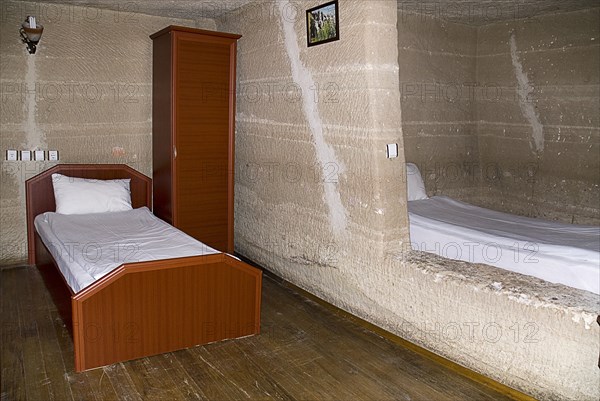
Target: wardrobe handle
[{"x": 174, "y": 152}]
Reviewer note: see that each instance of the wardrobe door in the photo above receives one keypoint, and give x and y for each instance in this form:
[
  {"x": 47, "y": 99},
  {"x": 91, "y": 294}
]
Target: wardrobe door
[
  {"x": 204, "y": 93},
  {"x": 162, "y": 133}
]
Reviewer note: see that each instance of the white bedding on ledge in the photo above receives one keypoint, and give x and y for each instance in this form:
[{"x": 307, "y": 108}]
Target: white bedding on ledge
[
  {"x": 87, "y": 247},
  {"x": 555, "y": 252}
]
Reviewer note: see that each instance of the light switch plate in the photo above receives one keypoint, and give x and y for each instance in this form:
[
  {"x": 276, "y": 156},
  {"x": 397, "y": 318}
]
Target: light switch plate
[
  {"x": 25, "y": 155},
  {"x": 392, "y": 150},
  {"x": 11, "y": 155},
  {"x": 39, "y": 155},
  {"x": 53, "y": 155}
]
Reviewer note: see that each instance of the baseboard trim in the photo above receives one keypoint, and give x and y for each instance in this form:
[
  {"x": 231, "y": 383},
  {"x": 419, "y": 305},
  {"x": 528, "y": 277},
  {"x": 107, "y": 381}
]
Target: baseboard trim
[
  {"x": 14, "y": 265},
  {"x": 463, "y": 371}
]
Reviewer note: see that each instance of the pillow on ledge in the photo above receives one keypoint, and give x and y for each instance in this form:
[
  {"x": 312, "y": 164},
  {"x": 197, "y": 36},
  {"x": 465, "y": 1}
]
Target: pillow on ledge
[
  {"x": 83, "y": 195},
  {"x": 414, "y": 183}
]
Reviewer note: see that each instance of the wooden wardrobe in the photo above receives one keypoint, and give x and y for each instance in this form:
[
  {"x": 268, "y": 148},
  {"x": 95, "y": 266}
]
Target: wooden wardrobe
[{"x": 193, "y": 131}]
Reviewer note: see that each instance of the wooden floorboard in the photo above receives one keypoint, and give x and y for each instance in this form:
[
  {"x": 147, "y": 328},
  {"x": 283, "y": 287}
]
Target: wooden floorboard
[
  {"x": 12, "y": 379},
  {"x": 304, "y": 352},
  {"x": 37, "y": 384}
]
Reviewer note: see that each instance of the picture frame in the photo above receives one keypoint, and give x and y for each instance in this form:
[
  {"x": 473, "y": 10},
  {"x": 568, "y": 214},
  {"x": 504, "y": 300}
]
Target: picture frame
[{"x": 323, "y": 24}]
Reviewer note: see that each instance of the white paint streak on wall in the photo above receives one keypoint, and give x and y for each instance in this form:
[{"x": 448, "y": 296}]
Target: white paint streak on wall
[
  {"x": 330, "y": 166},
  {"x": 34, "y": 138},
  {"x": 524, "y": 89},
  {"x": 33, "y": 135}
]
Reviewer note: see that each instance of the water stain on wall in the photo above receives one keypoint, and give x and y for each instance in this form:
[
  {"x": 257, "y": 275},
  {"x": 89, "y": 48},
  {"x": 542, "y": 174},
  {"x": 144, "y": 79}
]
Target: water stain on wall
[
  {"x": 324, "y": 152},
  {"x": 524, "y": 91}
]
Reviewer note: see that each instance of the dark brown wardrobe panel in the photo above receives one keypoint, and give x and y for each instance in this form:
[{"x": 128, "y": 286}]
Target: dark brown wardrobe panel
[{"x": 193, "y": 131}]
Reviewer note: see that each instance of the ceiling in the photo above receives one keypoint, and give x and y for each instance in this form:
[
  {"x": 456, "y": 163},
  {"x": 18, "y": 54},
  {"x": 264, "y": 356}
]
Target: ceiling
[
  {"x": 477, "y": 12},
  {"x": 187, "y": 9},
  {"x": 481, "y": 12}
]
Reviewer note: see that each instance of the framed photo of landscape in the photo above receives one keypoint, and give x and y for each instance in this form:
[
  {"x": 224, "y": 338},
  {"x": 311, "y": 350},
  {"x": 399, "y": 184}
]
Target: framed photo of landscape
[{"x": 322, "y": 24}]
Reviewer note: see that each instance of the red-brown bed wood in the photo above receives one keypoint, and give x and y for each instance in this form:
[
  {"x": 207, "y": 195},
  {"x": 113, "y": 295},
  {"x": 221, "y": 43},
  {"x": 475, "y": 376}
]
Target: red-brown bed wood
[
  {"x": 145, "y": 308},
  {"x": 40, "y": 193}
]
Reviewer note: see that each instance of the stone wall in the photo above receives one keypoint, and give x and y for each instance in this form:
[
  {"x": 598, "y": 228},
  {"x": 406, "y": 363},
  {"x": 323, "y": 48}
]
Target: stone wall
[
  {"x": 539, "y": 133},
  {"x": 318, "y": 203},
  {"x": 505, "y": 115},
  {"x": 87, "y": 93},
  {"x": 437, "y": 60}
]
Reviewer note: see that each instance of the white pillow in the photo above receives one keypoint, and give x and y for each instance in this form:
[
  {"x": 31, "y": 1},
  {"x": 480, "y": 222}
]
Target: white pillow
[
  {"x": 415, "y": 185},
  {"x": 82, "y": 195}
]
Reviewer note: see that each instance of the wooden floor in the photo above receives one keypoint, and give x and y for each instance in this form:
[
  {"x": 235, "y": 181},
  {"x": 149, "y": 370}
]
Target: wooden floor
[{"x": 305, "y": 352}]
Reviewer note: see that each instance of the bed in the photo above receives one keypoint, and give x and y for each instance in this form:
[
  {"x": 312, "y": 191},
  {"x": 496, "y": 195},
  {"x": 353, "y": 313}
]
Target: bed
[
  {"x": 140, "y": 308},
  {"x": 556, "y": 252}
]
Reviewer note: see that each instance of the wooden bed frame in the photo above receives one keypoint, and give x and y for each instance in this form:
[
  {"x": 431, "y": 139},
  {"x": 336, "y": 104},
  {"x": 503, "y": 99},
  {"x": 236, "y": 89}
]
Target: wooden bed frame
[{"x": 145, "y": 308}]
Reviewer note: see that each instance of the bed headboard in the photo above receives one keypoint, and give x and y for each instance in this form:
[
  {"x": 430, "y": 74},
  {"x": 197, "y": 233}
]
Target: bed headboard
[{"x": 39, "y": 192}]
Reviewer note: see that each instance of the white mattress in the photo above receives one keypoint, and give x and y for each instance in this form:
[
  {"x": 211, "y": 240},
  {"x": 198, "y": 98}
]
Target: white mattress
[
  {"x": 555, "y": 252},
  {"x": 89, "y": 246}
]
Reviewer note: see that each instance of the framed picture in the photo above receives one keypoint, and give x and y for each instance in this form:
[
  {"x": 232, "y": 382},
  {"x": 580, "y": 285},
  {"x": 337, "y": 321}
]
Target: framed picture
[{"x": 322, "y": 24}]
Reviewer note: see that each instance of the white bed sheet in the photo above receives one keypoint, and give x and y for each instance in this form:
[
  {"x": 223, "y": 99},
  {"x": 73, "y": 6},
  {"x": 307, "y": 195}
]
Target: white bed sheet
[
  {"x": 87, "y": 247},
  {"x": 555, "y": 252}
]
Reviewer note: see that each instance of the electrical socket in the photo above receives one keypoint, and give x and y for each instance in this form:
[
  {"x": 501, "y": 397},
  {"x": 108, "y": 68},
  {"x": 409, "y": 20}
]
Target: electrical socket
[
  {"x": 53, "y": 155},
  {"x": 11, "y": 155},
  {"x": 25, "y": 155},
  {"x": 392, "y": 150}
]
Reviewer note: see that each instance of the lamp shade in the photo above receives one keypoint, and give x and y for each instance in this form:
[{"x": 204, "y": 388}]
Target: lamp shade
[{"x": 33, "y": 34}]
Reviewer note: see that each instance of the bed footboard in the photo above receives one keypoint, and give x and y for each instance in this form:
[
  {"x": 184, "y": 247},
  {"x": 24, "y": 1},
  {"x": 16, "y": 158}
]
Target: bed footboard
[
  {"x": 145, "y": 308},
  {"x": 148, "y": 308}
]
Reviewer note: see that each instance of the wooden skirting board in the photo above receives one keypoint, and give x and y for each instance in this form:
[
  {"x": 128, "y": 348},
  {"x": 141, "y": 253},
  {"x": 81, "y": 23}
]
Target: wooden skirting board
[{"x": 464, "y": 371}]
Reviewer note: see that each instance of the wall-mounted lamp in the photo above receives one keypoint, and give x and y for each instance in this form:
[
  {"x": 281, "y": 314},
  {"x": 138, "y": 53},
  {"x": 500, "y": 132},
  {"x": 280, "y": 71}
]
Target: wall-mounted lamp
[{"x": 31, "y": 32}]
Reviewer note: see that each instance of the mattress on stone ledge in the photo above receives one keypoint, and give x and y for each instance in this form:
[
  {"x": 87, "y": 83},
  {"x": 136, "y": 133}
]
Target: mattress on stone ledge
[{"x": 555, "y": 252}]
